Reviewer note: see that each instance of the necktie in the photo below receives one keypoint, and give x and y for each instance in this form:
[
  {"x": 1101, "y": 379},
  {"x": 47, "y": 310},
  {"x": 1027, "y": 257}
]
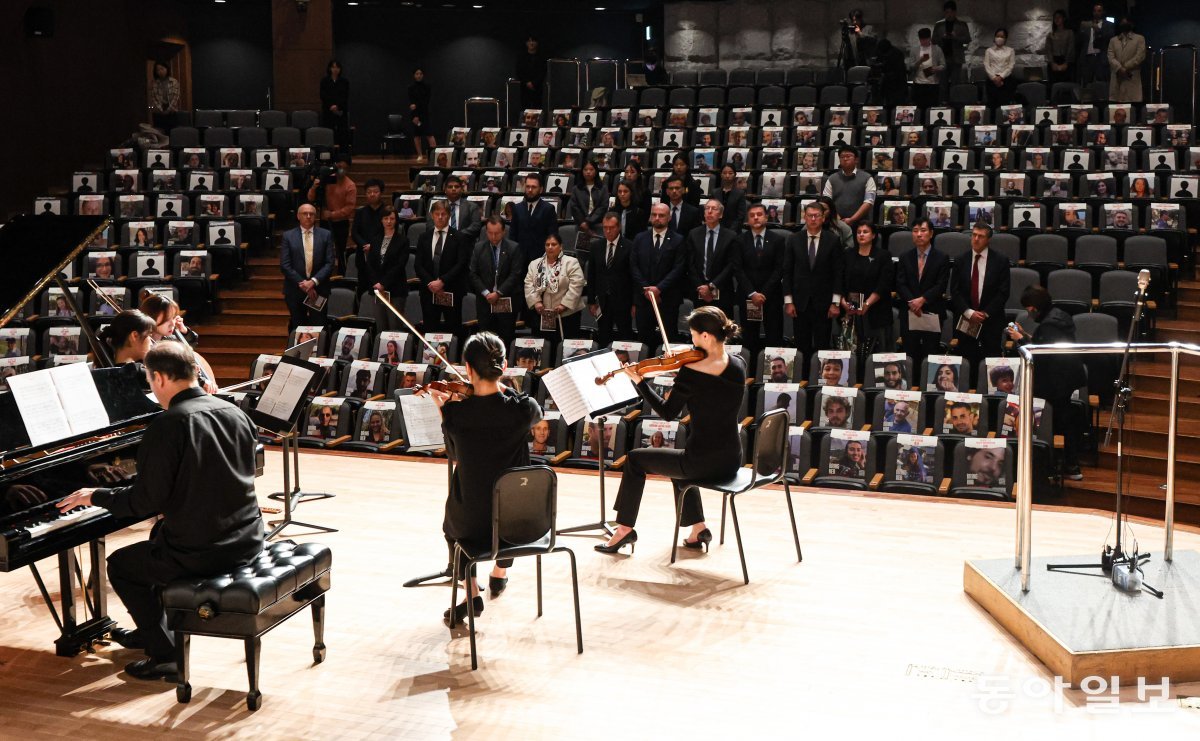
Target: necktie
[
  {"x": 920, "y": 264},
  {"x": 657, "y": 245},
  {"x": 975, "y": 282},
  {"x": 812, "y": 251},
  {"x": 623, "y": 215},
  {"x": 495, "y": 266},
  {"x": 708, "y": 251},
  {"x": 437, "y": 250},
  {"x": 758, "y": 243},
  {"x": 531, "y": 208},
  {"x": 308, "y": 254},
  {"x": 675, "y": 218},
  {"x": 612, "y": 249},
  {"x": 454, "y": 215},
  {"x": 591, "y": 203}
]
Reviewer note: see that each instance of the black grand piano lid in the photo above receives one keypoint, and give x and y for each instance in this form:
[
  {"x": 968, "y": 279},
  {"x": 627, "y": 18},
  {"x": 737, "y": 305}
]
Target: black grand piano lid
[{"x": 36, "y": 248}]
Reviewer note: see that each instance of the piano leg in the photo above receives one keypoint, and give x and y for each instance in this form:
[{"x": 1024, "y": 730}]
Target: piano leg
[{"x": 76, "y": 636}]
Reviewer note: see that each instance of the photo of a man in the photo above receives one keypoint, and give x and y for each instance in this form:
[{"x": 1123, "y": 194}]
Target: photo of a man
[{"x": 985, "y": 467}]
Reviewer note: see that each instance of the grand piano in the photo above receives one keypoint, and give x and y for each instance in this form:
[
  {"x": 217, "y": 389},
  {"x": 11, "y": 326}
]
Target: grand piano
[{"x": 35, "y": 251}]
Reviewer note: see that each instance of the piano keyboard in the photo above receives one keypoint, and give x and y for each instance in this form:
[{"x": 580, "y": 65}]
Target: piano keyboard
[{"x": 66, "y": 519}]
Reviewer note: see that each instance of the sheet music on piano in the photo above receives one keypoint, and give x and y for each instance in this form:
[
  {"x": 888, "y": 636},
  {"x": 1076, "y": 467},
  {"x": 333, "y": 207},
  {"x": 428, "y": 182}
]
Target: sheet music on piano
[{"x": 58, "y": 402}]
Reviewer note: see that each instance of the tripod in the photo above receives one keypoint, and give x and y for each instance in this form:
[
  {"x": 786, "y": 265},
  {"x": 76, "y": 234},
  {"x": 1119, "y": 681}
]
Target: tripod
[
  {"x": 1115, "y": 557},
  {"x": 293, "y": 496},
  {"x": 603, "y": 524}
]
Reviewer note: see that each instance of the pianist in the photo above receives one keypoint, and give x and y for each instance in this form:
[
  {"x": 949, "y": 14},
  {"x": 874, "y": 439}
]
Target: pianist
[{"x": 196, "y": 469}]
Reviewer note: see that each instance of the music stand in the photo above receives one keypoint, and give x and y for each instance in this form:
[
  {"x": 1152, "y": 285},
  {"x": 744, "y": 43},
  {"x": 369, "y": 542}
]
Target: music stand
[
  {"x": 303, "y": 351},
  {"x": 278, "y": 411}
]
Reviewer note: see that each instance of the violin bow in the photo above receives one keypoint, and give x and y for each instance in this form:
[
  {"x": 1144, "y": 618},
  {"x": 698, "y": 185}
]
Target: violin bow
[
  {"x": 104, "y": 296},
  {"x": 661, "y": 327},
  {"x": 380, "y": 297}
]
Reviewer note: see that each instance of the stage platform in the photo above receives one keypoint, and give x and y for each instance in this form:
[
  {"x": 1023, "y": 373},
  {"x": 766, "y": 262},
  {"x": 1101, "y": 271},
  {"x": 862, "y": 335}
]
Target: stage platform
[
  {"x": 1081, "y": 626},
  {"x": 871, "y": 635}
]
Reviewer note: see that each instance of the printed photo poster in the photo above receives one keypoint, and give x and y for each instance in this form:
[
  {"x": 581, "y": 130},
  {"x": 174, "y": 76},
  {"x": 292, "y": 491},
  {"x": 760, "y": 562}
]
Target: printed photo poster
[
  {"x": 411, "y": 375},
  {"x": 962, "y": 414},
  {"x": 779, "y": 364},
  {"x": 1002, "y": 375},
  {"x": 783, "y": 396},
  {"x": 890, "y": 370},
  {"x": 49, "y": 206},
  {"x": 251, "y": 204},
  {"x": 1010, "y": 423},
  {"x": 940, "y": 213},
  {"x": 627, "y": 351},
  {"x": 848, "y": 454},
  {"x": 90, "y": 205},
  {"x": 529, "y": 353},
  {"x": 116, "y": 294},
  {"x": 575, "y": 348},
  {"x": 360, "y": 379},
  {"x": 1163, "y": 216},
  {"x": 212, "y": 205},
  {"x": 56, "y": 302},
  {"x": 897, "y": 213},
  {"x": 440, "y": 340},
  {"x": 348, "y": 344},
  {"x": 140, "y": 234},
  {"x": 544, "y": 434},
  {"x": 1118, "y": 216},
  {"x": 391, "y": 347},
  {"x": 516, "y": 378},
  {"x": 131, "y": 206},
  {"x": 901, "y": 411},
  {"x": 589, "y": 446},
  {"x": 942, "y": 372},
  {"x": 659, "y": 433},
  {"x": 68, "y": 359},
  {"x": 376, "y": 426},
  {"x": 837, "y": 407},
  {"x": 14, "y": 342},
  {"x": 916, "y": 458},
  {"x": 323, "y": 414},
  {"x": 63, "y": 340},
  {"x": 986, "y": 462},
  {"x": 10, "y": 367},
  {"x": 834, "y": 367},
  {"x": 795, "y": 447},
  {"x": 1185, "y": 186},
  {"x": 193, "y": 263},
  {"x": 981, "y": 211}
]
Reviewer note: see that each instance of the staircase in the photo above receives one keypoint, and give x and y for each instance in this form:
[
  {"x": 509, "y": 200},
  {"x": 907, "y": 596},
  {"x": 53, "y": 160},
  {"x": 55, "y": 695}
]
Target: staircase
[
  {"x": 1146, "y": 429},
  {"x": 393, "y": 171}
]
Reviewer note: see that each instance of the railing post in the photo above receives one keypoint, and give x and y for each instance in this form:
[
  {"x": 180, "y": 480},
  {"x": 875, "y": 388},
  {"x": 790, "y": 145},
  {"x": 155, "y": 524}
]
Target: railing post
[
  {"x": 1024, "y": 485},
  {"x": 1172, "y": 433}
]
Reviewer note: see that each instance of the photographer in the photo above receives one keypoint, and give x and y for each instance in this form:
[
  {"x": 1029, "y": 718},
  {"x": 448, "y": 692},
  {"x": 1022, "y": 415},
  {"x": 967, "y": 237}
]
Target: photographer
[
  {"x": 335, "y": 195},
  {"x": 858, "y": 41}
]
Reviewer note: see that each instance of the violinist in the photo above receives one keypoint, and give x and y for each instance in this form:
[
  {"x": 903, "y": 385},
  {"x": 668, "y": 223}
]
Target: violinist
[
  {"x": 486, "y": 432},
  {"x": 169, "y": 324},
  {"x": 714, "y": 449},
  {"x": 129, "y": 336}
]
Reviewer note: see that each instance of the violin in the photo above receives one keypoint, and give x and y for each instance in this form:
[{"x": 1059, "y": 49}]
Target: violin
[
  {"x": 448, "y": 387},
  {"x": 660, "y": 364}
]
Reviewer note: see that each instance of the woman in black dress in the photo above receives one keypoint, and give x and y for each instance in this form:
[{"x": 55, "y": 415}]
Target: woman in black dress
[
  {"x": 869, "y": 280},
  {"x": 486, "y": 434},
  {"x": 335, "y": 103},
  {"x": 419, "y": 94},
  {"x": 714, "y": 449}
]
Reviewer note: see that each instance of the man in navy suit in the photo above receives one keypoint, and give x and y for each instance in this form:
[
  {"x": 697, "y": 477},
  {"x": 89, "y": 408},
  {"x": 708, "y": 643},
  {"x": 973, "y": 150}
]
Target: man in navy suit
[
  {"x": 610, "y": 293},
  {"x": 759, "y": 271},
  {"x": 813, "y": 266},
  {"x": 442, "y": 263},
  {"x": 682, "y": 217},
  {"x": 306, "y": 260},
  {"x": 533, "y": 220},
  {"x": 497, "y": 272},
  {"x": 979, "y": 290},
  {"x": 711, "y": 253},
  {"x": 921, "y": 280},
  {"x": 658, "y": 267}
]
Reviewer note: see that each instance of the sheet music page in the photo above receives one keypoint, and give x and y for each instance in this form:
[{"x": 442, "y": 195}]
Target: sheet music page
[
  {"x": 284, "y": 391},
  {"x": 422, "y": 423},
  {"x": 79, "y": 398},
  {"x": 927, "y": 322},
  {"x": 573, "y": 386},
  {"x": 562, "y": 387},
  {"x": 41, "y": 411}
]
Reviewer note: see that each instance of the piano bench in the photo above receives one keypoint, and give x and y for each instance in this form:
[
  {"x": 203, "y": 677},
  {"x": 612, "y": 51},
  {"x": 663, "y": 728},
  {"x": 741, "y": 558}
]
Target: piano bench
[{"x": 248, "y": 602}]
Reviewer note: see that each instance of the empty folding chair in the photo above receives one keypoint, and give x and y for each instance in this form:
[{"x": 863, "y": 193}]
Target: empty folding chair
[
  {"x": 682, "y": 97},
  {"x": 653, "y": 97},
  {"x": 711, "y": 96},
  {"x": 305, "y": 119},
  {"x": 833, "y": 95},
  {"x": 858, "y": 75},
  {"x": 772, "y": 95},
  {"x": 202, "y": 119},
  {"x": 802, "y": 95},
  {"x": 1046, "y": 252},
  {"x": 742, "y": 77},
  {"x": 685, "y": 78},
  {"x": 714, "y": 77},
  {"x": 1150, "y": 253},
  {"x": 318, "y": 136},
  {"x": 1033, "y": 93},
  {"x": 1071, "y": 290},
  {"x": 741, "y": 96}
]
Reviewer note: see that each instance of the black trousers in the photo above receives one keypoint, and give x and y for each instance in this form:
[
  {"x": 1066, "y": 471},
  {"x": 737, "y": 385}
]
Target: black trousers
[
  {"x": 503, "y": 324},
  {"x": 463, "y": 569},
  {"x": 672, "y": 464},
  {"x": 341, "y": 233},
  {"x": 615, "y": 322},
  {"x": 1068, "y": 422},
  {"x": 138, "y": 573},
  {"x": 298, "y": 313},
  {"x": 440, "y": 318},
  {"x": 771, "y": 326},
  {"x": 813, "y": 329},
  {"x": 918, "y": 346},
  {"x": 647, "y": 326}
]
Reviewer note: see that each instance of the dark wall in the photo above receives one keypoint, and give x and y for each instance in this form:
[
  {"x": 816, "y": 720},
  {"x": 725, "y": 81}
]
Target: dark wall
[
  {"x": 231, "y": 53},
  {"x": 464, "y": 53}
]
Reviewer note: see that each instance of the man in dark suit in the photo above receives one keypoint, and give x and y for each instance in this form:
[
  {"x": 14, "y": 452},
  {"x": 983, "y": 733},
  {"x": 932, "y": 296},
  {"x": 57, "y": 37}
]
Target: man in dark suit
[
  {"x": 682, "y": 217},
  {"x": 759, "y": 271},
  {"x": 388, "y": 270},
  {"x": 465, "y": 216},
  {"x": 443, "y": 260},
  {"x": 497, "y": 272},
  {"x": 812, "y": 278},
  {"x": 367, "y": 231},
  {"x": 921, "y": 281},
  {"x": 609, "y": 284},
  {"x": 979, "y": 287},
  {"x": 658, "y": 267},
  {"x": 532, "y": 221},
  {"x": 711, "y": 253},
  {"x": 306, "y": 260},
  {"x": 1092, "y": 43}
]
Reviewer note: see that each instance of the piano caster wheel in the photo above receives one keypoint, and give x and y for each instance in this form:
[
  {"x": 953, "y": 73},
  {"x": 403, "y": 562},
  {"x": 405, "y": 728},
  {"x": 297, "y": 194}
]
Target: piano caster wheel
[
  {"x": 183, "y": 693},
  {"x": 318, "y": 653},
  {"x": 254, "y": 701}
]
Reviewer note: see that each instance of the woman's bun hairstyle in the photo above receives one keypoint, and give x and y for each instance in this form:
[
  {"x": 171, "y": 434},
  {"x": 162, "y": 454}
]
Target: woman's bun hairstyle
[
  {"x": 712, "y": 320},
  {"x": 484, "y": 352}
]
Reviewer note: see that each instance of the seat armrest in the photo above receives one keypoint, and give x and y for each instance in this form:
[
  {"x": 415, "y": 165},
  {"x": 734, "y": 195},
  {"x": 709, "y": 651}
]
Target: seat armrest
[
  {"x": 808, "y": 477},
  {"x": 558, "y": 459},
  {"x": 391, "y": 445},
  {"x": 944, "y": 488},
  {"x": 876, "y": 480}
]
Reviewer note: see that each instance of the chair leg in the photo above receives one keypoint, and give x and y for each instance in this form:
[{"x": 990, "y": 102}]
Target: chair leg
[
  {"x": 539, "y": 585},
  {"x": 253, "y": 648},
  {"x": 679, "y": 495},
  {"x": 787, "y": 492},
  {"x": 470, "y": 619},
  {"x": 183, "y": 645},
  {"x": 454, "y": 576},
  {"x": 318, "y": 614},
  {"x": 724, "y": 501},
  {"x": 737, "y": 532},
  {"x": 575, "y": 594}
]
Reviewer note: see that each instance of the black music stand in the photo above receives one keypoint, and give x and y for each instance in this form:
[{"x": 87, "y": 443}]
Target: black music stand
[{"x": 278, "y": 411}]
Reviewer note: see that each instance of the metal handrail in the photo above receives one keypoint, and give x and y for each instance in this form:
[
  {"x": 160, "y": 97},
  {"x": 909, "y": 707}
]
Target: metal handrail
[
  {"x": 467, "y": 103},
  {"x": 625, "y": 70},
  {"x": 1023, "y": 487},
  {"x": 1159, "y": 69},
  {"x": 508, "y": 100},
  {"x": 578, "y": 78},
  {"x": 587, "y": 73}
]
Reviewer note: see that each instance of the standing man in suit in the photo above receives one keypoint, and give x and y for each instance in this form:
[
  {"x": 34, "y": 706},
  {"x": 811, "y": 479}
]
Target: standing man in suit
[
  {"x": 658, "y": 267},
  {"x": 921, "y": 281},
  {"x": 306, "y": 261},
  {"x": 979, "y": 290},
  {"x": 711, "y": 254},
  {"x": 610, "y": 290},
  {"x": 1092, "y": 43},
  {"x": 759, "y": 271},
  {"x": 682, "y": 217},
  {"x": 497, "y": 273},
  {"x": 465, "y": 216},
  {"x": 812, "y": 274},
  {"x": 443, "y": 260},
  {"x": 953, "y": 36},
  {"x": 533, "y": 220},
  {"x": 367, "y": 231}
]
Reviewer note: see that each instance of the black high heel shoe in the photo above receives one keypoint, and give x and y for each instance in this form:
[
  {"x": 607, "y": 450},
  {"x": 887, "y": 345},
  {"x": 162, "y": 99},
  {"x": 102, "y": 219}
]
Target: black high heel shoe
[
  {"x": 702, "y": 540},
  {"x": 460, "y": 611},
  {"x": 630, "y": 538}
]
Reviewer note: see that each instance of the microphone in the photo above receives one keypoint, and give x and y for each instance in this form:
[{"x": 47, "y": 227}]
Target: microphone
[{"x": 1143, "y": 280}]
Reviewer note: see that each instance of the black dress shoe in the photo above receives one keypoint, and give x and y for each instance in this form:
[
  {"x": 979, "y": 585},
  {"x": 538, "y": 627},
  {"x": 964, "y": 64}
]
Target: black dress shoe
[
  {"x": 460, "y": 612},
  {"x": 127, "y": 638},
  {"x": 496, "y": 585},
  {"x": 702, "y": 540},
  {"x": 630, "y": 538},
  {"x": 149, "y": 668}
]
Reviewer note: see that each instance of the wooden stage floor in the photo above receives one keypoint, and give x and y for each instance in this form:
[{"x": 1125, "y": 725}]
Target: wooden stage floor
[{"x": 872, "y": 633}]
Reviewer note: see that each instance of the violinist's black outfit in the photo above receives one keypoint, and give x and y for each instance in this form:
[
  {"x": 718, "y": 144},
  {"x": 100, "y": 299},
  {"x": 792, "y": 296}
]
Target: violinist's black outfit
[
  {"x": 714, "y": 448},
  {"x": 486, "y": 436}
]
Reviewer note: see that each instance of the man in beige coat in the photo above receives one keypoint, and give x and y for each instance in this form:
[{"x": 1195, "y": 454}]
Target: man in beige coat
[{"x": 1126, "y": 52}]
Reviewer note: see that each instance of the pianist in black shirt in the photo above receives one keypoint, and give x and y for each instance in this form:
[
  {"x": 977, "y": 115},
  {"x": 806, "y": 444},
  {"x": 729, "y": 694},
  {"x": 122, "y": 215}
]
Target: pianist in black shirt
[{"x": 196, "y": 469}]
